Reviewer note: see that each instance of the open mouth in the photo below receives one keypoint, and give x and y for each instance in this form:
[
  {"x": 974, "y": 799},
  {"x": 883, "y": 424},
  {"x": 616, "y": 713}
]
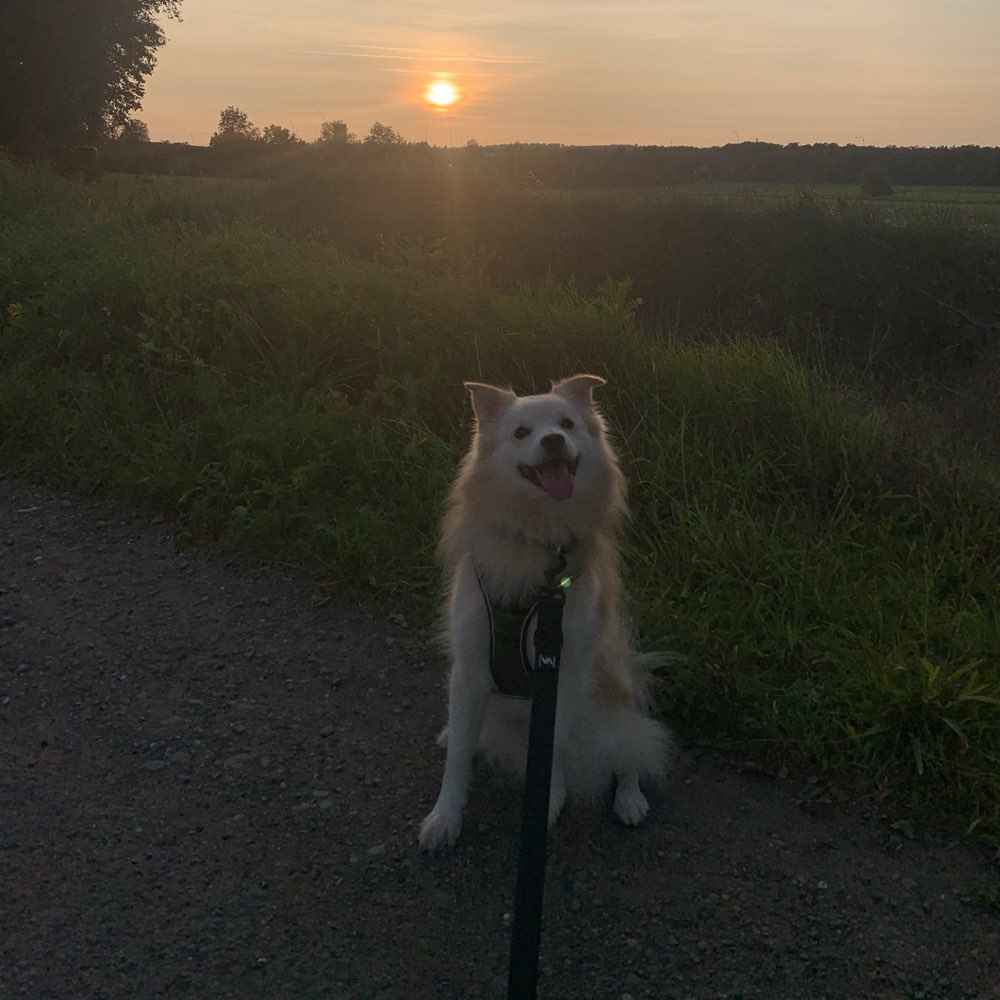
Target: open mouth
[{"x": 554, "y": 476}]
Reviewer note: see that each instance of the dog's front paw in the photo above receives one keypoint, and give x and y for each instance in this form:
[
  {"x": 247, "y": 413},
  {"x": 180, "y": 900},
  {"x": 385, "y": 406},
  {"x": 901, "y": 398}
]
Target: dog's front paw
[
  {"x": 440, "y": 826},
  {"x": 630, "y": 806}
]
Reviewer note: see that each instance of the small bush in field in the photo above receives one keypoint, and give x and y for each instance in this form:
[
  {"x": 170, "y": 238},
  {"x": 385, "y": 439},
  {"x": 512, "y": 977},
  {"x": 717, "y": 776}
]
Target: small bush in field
[{"x": 875, "y": 183}]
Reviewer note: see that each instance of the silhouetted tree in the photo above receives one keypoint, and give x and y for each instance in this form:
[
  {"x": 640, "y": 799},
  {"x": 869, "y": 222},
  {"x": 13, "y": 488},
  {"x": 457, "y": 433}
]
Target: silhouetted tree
[
  {"x": 234, "y": 127},
  {"x": 384, "y": 135},
  {"x": 336, "y": 132},
  {"x": 73, "y": 72},
  {"x": 133, "y": 130},
  {"x": 278, "y": 135}
]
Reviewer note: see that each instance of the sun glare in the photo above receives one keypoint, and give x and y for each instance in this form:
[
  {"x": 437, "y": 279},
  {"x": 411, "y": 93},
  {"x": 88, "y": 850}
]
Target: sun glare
[{"x": 441, "y": 93}]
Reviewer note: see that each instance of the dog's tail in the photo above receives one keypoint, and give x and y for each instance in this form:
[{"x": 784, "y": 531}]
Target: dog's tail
[{"x": 647, "y": 671}]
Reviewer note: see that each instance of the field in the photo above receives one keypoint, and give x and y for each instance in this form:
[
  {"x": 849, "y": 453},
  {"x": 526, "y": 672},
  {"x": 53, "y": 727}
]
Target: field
[
  {"x": 920, "y": 194},
  {"x": 965, "y": 206},
  {"x": 804, "y": 394}
]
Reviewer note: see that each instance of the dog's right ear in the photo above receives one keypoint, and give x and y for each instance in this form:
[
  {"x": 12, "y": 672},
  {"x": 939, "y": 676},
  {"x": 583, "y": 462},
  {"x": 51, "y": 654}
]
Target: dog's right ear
[
  {"x": 488, "y": 401},
  {"x": 579, "y": 389}
]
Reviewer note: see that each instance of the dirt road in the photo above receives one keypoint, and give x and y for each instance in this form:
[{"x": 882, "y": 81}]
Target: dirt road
[{"x": 210, "y": 788}]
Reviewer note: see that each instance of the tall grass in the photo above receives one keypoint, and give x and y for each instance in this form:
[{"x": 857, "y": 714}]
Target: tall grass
[
  {"x": 904, "y": 298},
  {"x": 887, "y": 289},
  {"x": 831, "y": 581}
]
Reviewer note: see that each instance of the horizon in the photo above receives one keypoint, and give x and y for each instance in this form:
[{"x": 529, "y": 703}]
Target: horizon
[{"x": 578, "y": 73}]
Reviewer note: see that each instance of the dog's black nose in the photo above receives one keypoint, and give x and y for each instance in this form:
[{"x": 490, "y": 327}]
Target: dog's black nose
[{"x": 553, "y": 442}]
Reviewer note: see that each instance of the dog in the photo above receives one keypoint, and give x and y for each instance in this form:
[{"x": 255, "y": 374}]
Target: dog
[{"x": 540, "y": 484}]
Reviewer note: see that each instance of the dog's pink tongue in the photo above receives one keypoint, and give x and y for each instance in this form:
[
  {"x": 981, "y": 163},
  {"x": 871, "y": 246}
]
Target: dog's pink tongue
[{"x": 556, "y": 480}]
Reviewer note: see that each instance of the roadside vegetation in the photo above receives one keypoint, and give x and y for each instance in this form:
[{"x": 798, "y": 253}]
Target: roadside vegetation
[{"x": 804, "y": 396}]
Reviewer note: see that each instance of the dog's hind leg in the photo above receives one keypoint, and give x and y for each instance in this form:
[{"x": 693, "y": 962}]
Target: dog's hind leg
[
  {"x": 641, "y": 747},
  {"x": 630, "y": 804}
]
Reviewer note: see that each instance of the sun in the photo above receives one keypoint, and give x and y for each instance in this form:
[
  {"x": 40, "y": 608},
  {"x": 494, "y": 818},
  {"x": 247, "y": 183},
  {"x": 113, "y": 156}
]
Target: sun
[{"x": 441, "y": 93}]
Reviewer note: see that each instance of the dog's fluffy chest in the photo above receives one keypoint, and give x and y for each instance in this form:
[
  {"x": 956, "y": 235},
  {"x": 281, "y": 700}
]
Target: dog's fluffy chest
[{"x": 512, "y": 571}]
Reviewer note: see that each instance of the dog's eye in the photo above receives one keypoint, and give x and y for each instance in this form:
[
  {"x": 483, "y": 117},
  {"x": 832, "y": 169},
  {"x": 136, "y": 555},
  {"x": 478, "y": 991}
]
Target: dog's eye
[
  {"x": 521, "y": 433},
  {"x": 566, "y": 424}
]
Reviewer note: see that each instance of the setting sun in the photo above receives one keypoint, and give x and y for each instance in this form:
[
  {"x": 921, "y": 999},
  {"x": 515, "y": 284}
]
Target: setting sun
[{"x": 441, "y": 93}]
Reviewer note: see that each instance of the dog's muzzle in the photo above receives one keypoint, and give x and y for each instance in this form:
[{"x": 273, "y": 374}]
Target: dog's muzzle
[{"x": 555, "y": 476}]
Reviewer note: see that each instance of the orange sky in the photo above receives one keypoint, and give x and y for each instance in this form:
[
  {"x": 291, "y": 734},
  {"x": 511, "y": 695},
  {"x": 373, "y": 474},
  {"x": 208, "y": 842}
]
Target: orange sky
[{"x": 903, "y": 72}]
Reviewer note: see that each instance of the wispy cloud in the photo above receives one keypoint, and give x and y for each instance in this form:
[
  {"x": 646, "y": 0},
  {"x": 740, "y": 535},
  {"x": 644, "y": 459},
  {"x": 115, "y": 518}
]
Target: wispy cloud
[{"x": 402, "y": 54}]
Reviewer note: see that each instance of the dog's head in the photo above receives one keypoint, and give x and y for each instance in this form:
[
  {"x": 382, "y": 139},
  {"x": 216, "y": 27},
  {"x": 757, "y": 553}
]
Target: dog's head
[{"x": 548, "y": 445}]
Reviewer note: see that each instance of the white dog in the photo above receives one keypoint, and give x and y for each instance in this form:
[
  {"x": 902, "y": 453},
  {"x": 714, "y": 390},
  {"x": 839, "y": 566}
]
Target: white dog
[{"x": 540, "y": 480}]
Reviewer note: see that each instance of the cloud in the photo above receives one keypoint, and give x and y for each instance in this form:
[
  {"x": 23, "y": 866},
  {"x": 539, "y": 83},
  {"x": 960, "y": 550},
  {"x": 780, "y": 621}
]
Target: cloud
[{"x": 400, "y": 54}]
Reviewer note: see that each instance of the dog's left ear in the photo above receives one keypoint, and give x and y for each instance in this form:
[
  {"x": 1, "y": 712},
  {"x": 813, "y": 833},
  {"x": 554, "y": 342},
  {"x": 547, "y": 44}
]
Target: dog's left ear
[{"x": 579, "y": 389}]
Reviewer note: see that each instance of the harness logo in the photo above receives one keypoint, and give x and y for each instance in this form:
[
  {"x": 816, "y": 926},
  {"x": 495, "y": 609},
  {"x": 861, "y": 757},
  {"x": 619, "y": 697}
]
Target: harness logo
[{"x": 547, "y": 661}]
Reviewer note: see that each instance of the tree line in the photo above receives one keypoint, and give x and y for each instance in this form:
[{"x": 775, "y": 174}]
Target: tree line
[
  {"x": 260, "y": 152},
  {"x": 875, "y": 168},
  {"x": 763, "y": 162},
  {"x": 235, "y": 129}
]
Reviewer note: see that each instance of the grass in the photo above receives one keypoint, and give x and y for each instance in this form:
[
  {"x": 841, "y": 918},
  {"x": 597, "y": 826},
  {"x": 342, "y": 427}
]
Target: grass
[{"x": 829, "y": 574}]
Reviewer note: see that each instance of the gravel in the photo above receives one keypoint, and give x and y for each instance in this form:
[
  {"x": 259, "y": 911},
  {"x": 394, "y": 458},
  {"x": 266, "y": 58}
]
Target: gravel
[{"x": 210, "y": 788}]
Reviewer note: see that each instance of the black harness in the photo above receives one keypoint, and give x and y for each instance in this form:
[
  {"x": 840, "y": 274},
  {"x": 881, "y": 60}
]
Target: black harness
[{"x": 510, "y": 629}]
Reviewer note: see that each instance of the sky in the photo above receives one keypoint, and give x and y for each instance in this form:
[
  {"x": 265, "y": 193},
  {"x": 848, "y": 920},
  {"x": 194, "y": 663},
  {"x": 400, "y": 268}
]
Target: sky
[{"x": 645, "y": 72}]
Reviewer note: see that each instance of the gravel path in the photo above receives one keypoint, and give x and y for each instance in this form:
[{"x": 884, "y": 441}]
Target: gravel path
[{"x": 210, "y": 788}]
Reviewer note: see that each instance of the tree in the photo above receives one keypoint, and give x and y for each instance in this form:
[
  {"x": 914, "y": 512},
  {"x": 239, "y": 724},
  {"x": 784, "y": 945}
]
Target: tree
[
  {"x": 133, "y": 130},
  {"x": 278, "y": 135},
  {"x": 384, "y": 135},
  {"x": 335, "y": 132},
  {"x": 73, "y": 72},
  {"x": 234, "y": 127}
]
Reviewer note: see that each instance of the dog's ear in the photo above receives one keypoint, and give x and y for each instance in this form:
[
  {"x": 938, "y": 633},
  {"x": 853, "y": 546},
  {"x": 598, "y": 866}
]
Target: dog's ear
[
  {"x": 579, "y": 389},
  {"x": 488, "y": 401}
]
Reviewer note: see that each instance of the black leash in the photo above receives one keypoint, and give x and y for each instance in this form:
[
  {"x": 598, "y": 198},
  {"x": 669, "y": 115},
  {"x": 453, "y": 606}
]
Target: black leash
[{"x": 526, "y": 932}]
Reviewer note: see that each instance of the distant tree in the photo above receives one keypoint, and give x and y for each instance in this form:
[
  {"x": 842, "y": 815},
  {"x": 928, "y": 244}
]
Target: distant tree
[
  {"x": 384, "y": 135},
  {"x": 234, "y": 127},
  {"x": 278, "y": 135},
  {"x": 336, "y": 132},
  {"x": 133, "y": 130},
  {"x": 74, "y": 72},
  {"x": 875, "y": 182}
]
